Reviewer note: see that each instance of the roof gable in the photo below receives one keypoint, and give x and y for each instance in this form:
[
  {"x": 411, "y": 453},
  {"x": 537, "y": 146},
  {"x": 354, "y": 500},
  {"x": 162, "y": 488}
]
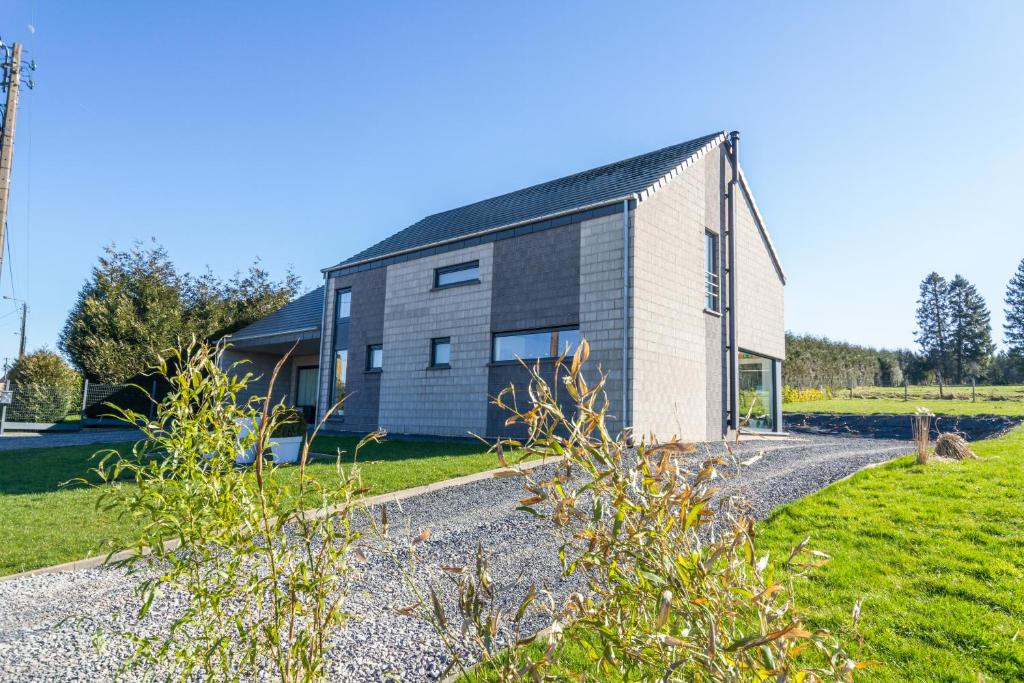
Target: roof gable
[{"x": 604, "y": 184}]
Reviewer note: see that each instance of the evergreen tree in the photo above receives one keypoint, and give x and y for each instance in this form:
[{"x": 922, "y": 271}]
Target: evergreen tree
[
  {"x": 1014, "y": 326},
  {"x": 970, "y": 329},
  {"x": 933, "y": 323}
]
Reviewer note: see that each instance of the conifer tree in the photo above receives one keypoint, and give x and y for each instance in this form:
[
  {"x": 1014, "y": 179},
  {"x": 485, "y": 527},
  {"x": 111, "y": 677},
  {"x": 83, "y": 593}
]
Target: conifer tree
[
  {"x": 970, "y": 329},
  {"x": 933, "y": 323},
  {"x": 1014, "y": 326}
]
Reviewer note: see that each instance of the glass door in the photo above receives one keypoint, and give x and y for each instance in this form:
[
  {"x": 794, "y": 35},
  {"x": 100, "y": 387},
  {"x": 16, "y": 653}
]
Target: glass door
[
  {"x": 305, "y": 390},
  {"x": 757, "y": 392}
]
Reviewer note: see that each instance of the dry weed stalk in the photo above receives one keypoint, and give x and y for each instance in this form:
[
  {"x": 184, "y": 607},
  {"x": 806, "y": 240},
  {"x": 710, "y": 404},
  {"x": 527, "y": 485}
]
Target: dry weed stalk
[
  {"x": 673, "y": 587},
  {"x": 921, "y": 425}
]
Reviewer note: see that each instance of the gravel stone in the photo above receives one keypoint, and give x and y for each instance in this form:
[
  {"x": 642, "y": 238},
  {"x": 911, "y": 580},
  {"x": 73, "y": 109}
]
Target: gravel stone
[{"x": 58, "y": 627}]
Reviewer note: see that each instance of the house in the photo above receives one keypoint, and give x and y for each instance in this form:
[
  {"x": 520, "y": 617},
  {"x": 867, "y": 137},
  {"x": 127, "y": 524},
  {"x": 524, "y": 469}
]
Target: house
[{"x": 661, "y": 261}]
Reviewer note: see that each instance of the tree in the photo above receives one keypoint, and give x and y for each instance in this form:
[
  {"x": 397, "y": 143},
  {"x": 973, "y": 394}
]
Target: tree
[
  {"x": 1014, "y": 326},
  {"x": 136, "y": 304},
  {"x": 128, "y": 311},
  {"x": 933, "y": 323},
  {"x": 214, "y": 308},
  {"x": 970, "y": 329}
]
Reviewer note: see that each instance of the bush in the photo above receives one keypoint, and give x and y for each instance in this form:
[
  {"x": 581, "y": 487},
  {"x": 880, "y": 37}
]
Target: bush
[
  {"x": 263, "y": 578},
  {"x": 292, "y": 423},
  {"x": 46, "y": 388},
  {"x": 797, "y": 395},
  {"x": 672, "y": 585}
]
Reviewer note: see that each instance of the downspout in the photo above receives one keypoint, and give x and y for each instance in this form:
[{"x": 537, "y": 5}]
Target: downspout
[
  {"x": 625, "y": 313},
  {"x": 321, "y": 405},
  {"x": 734, "y": 352}
]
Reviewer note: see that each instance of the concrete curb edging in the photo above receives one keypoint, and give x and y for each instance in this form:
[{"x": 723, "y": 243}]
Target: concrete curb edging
[{"x": 371, "y": 501}]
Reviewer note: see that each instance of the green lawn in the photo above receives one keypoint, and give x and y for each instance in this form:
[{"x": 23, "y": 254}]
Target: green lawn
[
  {"x": 935, "y": 553},
  {"x": 43, "y": 523},
  {"x": 1000, "y": 400}
]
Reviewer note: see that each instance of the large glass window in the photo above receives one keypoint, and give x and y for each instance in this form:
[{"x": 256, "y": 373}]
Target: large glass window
[
  {"x": 712, "y": 296},
  {"x": 440, "y": 352},
  {"x": 461, "y": 274},
  {"x": 340, "y": 372},
  {"x": 757, "y": 392},
  {"x": 344, "y": 303},
  {"x": 510, "y": 346},
  {"x": 374, "y": 357}
]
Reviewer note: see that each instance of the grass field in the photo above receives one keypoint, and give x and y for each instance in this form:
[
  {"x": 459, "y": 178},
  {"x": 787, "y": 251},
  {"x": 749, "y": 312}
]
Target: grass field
[
  {"x": 935, "y": 554},
  {"x": 1002, "y": 400},
  {"x": 44, "y": 523}
]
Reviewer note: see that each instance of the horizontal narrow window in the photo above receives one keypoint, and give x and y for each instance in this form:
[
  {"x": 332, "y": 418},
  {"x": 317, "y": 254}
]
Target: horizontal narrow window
[
  {"x": 534, "y": 344},
  {"x": 461, "y": 274},
  {"x": 440, "y": 352},
  {"x": 374, "y": 357}
]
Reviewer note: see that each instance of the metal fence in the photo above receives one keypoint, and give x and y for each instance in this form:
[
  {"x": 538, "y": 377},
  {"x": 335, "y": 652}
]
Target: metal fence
[{"x": 35, "y": 406}]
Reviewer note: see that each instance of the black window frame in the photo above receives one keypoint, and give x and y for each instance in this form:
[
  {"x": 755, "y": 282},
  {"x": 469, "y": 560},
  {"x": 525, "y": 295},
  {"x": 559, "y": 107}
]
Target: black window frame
[
  {"x": 455, "y": 268},
  {"x": 370, "y": 367},
  {"x": 713, "y": 279},
  {"x": 554, "y": 342},
  {"x": 337, "y": 301},
  {"x": 433, "y": 353}
]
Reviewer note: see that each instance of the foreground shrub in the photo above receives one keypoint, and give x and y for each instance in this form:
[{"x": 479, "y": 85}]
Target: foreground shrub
[
  {"x": 262, "y": 566},
  {"x": 671, "y": 582}
]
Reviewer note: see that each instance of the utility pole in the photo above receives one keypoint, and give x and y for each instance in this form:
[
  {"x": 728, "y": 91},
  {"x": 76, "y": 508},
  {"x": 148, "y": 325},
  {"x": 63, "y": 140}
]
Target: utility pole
[
  {"x": 11, "y": 80},
  {"x": 21, "y": 345}
]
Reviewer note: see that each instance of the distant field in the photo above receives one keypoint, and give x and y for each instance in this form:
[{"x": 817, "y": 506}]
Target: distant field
[{"x": 988, "y": 400}]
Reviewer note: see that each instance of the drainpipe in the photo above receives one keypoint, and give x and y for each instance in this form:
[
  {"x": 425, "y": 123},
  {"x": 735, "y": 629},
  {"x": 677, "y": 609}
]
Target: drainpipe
[
  {"x": 734, "y": 352},
  {"x": 625, "y": 313},
  {"x": 321, "y": 406}
]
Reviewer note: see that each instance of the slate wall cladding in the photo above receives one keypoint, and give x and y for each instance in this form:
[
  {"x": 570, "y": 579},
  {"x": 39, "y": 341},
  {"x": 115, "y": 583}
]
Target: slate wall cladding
[
  {"x": 365, "y": 326},
  {"x": 261, "y": 365},
  {"x": 601, "y": 305},
  {"x": 760, "y": 325},
  {"x": 670, "y": 330},
  {"x": 415, "y": 399},
  {"x": 536, "y": 284}
]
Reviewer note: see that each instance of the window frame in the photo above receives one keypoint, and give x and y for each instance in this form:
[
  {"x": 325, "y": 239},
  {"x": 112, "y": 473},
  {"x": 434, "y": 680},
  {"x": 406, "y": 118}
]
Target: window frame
[
  {"x": 455, "y": 268},
  {"x": 334, "y": 382},
  {"x": 554, "y": 342},
  {"x": 434, "y": 343},
  {"x": 712, "y": 279},
  {"x": 370, "y": 348},
  {"x": 337, "y": 301}
]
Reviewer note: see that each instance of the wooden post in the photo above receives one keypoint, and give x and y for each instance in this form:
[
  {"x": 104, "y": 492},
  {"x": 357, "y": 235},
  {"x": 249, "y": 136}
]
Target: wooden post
[
  {"x": 973, "y": 390},
  {"x": 13, "y": 81},
  {"x": 906, "y": 392},
  {"x": 85, "y": 395}
]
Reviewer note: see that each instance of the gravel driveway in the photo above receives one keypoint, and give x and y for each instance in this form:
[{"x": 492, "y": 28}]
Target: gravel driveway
[{"x": 48, "y": 622}]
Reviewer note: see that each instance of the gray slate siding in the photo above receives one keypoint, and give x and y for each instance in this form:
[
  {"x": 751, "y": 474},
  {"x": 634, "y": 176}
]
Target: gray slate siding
[
  {"x": 365, "y": 326},
  {"x": 536, "y": 285}
]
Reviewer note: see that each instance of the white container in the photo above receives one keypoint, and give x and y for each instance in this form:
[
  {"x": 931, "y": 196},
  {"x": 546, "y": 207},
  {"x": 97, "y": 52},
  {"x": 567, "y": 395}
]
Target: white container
[
  {"x": 246, "y": 456},
  {"x": 286, "y": 449}
]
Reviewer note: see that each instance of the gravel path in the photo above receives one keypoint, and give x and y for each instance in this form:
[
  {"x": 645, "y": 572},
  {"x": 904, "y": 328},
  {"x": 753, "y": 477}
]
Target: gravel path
[{"x": 48, "y": 623}]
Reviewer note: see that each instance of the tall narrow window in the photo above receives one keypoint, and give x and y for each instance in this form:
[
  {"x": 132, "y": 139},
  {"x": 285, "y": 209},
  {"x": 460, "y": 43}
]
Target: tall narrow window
[
  {"x": 440, "y": 352},
  {"x": 344, "y": 303},
  {"x": 712, "y": 298},
  {"x": 374, "y": 357},
  {"x": 340, "y": 371}
]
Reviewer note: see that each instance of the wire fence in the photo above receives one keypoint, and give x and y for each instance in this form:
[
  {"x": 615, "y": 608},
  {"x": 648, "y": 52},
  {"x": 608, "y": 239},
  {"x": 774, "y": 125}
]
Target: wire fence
[{"x": 87, "y": 403}]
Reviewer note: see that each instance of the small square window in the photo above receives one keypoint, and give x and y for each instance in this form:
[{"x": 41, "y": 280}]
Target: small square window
[
  {"x": 453, "y": 276},
  {"x": 344, "y": 303},
  {"x": 440, "y": 352},
  {"x": 374, "y": 357}
]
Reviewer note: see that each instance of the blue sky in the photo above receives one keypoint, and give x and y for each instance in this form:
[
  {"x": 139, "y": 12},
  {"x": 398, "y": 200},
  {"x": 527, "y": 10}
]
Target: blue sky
[{"x": 882, "y": 140}]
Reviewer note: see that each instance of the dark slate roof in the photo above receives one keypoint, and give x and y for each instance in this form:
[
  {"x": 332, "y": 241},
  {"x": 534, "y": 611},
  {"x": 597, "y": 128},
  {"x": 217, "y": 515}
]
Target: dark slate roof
[
  {"x": 603, "y": 184},
  {"x": 303, "y": 313}
]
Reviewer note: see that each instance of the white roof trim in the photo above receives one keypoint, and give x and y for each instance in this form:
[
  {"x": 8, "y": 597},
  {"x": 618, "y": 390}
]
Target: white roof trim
[
  {"x": 762, "y": 227},
  {"x": 689, "y": 161}
]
